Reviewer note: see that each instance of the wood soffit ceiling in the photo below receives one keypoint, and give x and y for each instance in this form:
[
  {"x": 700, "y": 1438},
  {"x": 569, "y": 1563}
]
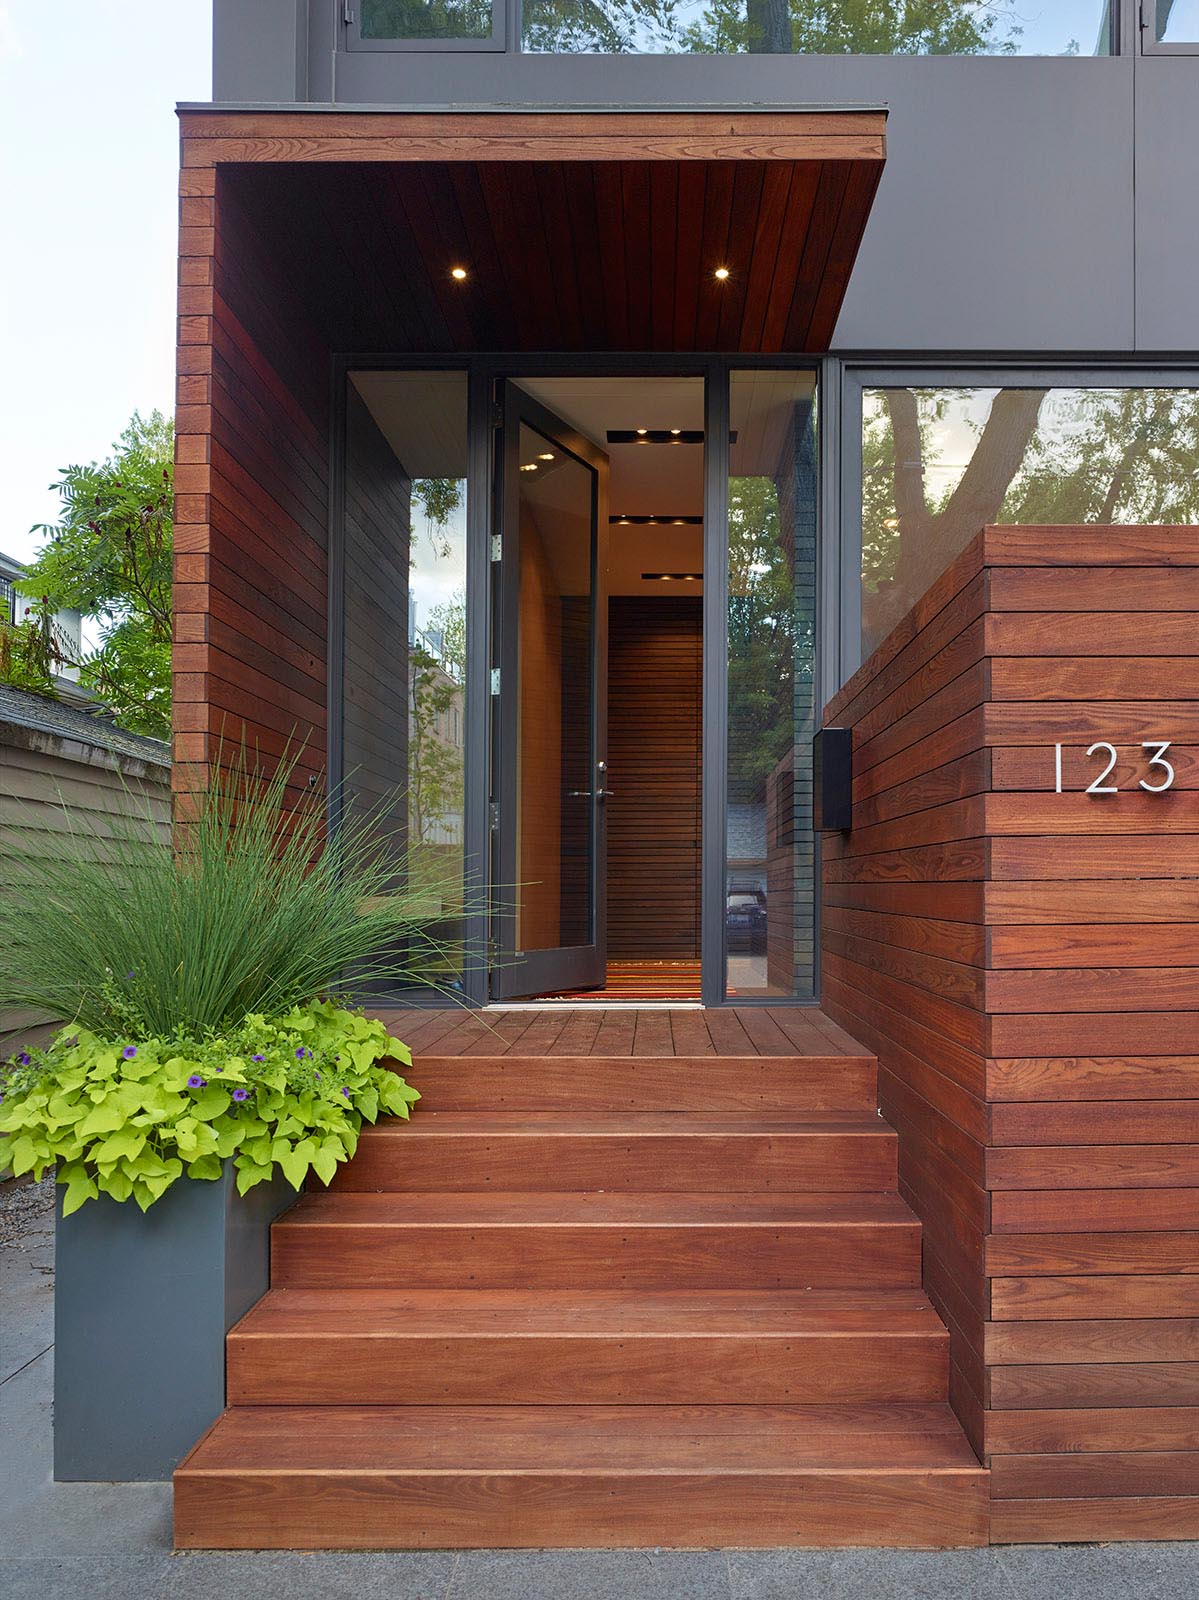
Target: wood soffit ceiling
[{"x": 577, "y": 231}]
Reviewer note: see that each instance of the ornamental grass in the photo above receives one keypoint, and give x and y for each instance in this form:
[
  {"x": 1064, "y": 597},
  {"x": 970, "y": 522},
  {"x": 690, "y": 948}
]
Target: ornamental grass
[{"x": 252, "y": 909}]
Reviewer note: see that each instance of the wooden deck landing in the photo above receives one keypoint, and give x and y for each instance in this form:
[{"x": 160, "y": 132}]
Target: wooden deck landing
[{"x": 624, "y": 1031}]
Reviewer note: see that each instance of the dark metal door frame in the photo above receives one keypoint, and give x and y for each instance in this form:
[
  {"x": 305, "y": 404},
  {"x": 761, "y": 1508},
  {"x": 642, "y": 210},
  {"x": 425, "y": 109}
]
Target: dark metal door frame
[
  {"x": 485, "y": 374},
  {"x": 520, "y": 972}
]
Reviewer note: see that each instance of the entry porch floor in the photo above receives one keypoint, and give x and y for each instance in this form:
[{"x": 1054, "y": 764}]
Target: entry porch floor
[{"x": 625, "y": 1030}]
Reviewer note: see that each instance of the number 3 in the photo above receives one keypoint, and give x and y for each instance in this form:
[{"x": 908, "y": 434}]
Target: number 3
[{"x": 1157, "y": 759}]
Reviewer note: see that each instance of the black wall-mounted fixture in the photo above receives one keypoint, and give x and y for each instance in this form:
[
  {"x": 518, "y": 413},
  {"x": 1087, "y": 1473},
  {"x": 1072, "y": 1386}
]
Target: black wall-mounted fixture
[{"x": 832, "y": 780}]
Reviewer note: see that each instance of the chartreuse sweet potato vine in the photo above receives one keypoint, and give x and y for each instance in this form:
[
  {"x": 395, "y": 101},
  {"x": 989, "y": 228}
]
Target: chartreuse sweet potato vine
[{"x": 127, "y": 1118}]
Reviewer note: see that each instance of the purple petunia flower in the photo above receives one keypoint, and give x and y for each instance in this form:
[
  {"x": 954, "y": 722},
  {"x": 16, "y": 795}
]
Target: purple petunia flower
[
  {"x": 220, "y": 1069},
  {"x": 22, "y": 1058},
  {"x": 129, "y": 1052},
  {"x": 257, "y": 1058},
  {"x": 196, "y": 1081},
  {"x": 241, "y": 1094},
  {"x": 301, "y": 1053},
  {"x": 346, "y": 1092},
  {"x": 317, "y": 1076}
]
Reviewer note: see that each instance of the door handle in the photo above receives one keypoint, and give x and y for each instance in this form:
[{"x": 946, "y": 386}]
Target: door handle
[{"x": 590, "y": 794}]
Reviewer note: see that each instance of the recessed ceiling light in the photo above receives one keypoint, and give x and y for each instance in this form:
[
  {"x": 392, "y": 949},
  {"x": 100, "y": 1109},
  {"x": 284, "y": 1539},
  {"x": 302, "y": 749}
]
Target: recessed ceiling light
[
  {"x": 458, "y": 274},
  {"x": 721, "y": 274},
  {"x": 546, "y": 455},
  {"x": 676, "y": 430},
  {"x": 642, "y": 430},
  {"x": 529, "y": 466}
]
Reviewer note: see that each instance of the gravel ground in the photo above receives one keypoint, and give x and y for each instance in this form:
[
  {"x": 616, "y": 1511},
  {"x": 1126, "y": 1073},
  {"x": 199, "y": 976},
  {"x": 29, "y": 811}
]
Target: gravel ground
[{"x": 26, "y": 1211}]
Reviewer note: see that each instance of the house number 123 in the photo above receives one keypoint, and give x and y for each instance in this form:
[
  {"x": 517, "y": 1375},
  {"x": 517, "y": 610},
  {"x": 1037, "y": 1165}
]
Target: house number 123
[{"x": 1100, "y": 785}]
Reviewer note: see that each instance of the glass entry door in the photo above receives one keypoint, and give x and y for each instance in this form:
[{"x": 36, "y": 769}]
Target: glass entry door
[{"x": 550, "y": 700}]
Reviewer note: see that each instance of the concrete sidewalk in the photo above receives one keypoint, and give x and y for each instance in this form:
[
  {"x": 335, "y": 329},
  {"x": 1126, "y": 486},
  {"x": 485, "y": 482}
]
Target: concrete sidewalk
[{"x": 114, "y": 1540}]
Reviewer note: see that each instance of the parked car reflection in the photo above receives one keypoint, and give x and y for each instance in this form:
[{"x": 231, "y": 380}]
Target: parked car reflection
[{"x": 745, "y": 919}]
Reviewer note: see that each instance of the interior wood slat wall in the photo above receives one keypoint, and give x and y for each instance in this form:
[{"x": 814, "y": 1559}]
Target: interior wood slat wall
[
  {"x": 1026, "y": 964},
  {"x": 655, "y": 731},
  {"x": 251, "y": 506}
]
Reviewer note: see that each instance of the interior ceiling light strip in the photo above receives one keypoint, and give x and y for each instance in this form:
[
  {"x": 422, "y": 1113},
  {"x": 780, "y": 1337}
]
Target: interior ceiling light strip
[
  {"x": 656, "y": 521},
  {"x": 673, "y": 577},
  {"x": 661, "y": 436}
]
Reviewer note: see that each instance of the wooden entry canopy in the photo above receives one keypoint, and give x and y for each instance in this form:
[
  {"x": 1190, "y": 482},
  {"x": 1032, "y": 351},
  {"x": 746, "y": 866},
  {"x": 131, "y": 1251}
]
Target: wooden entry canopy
[{"x": 589, "y": 231}]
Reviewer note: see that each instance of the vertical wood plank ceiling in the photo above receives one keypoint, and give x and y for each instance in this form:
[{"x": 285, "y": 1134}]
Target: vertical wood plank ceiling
[{"x": 555, "y": 251}]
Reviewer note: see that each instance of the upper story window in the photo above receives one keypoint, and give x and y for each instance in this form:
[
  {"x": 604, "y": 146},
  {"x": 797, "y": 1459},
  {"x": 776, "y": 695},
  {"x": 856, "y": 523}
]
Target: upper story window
[
  {"x": 819, "y": 27},
  {"x": 1171, "y": 25},
  {"x": 754, "y": 27},
  {"x": 430, "y": 24}
]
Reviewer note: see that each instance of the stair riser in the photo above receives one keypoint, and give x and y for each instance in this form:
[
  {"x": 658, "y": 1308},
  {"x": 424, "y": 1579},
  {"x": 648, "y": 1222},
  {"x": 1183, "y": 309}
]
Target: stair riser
[
  {"x": 353, "y": 1510},
  {"x": 603, "y": 1256},
  {"x": 629, "y": 1083},
  {"x": 341, "y": 1369},
  {"x": 411, "y": 1159}
]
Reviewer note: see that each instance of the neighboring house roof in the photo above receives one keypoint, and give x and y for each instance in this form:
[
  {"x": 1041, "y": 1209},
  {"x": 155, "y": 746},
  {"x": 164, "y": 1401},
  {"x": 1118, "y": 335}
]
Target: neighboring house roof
[{"x": 22, "y": 709}]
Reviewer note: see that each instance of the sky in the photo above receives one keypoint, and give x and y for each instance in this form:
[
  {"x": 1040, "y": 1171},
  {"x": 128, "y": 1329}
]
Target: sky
[{"x": 88, "y": 172}]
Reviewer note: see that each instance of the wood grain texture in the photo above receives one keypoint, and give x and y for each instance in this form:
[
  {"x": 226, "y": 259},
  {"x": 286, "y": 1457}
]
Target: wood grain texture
[
  {"x": 251, "y": 503},
  {"x": 579, "y": 231},
  {"x": 1039, "y": 951},
  {"x": 655, "y": 727},
  {"x": 571, "y": 1322}
]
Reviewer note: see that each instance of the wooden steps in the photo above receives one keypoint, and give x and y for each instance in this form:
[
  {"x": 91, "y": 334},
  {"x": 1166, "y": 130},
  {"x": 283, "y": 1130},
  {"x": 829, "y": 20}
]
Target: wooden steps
[
  {"x": 617, "y": 1240},
  {"x": 527, "y": 1347},
  {"x": 442, "y": 1477},
  {"x": 638, "y": 1084},
  {"x": 482, "y": 1150},
  {"x": 628, "y": 1300}
]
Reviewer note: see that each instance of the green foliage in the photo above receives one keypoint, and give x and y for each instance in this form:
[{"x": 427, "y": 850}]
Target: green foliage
[
  {"x": 109, "y": 556},
  {"x": 28, "y": 654},
  {"x": 128, "y": 1116},
  {"x": 254, "y": 914},
  {"x": 799, "y": 27}
]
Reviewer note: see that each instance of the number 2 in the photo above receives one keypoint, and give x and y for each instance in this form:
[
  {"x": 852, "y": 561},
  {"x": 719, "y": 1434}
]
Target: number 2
[
  {"x": 1098, "y": 786},
  {"x": 1157, "y": 759}
]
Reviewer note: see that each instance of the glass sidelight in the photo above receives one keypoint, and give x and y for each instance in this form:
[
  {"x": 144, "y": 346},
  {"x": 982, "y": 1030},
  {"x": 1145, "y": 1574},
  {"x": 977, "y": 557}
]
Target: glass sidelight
[
  {"x": 401, "y": 621},
  {"x": 773, "y": 709}
]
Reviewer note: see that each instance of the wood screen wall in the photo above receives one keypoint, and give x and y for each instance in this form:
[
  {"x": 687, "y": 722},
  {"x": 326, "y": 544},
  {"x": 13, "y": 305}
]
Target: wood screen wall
[
  {"x": 1026, "y": 964},
  {"x": 252, "y": 486},
  {"x": 655, "y": 736}
]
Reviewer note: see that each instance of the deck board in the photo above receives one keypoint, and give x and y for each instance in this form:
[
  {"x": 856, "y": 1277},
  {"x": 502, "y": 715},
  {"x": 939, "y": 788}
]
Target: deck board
[{"x": 608, "y": 1031}]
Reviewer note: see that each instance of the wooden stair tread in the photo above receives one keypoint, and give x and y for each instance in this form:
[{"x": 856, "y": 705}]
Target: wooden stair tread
[
  {"x": 629, "y": 1124},
  {"x": 883, "y": 1439},
  {"x": 515, "y": 1313},
  {"x": 598, "y": 1208}
]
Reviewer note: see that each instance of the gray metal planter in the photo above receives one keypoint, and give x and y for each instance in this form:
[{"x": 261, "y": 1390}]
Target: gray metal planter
[{"x": 142, "y": 1305}]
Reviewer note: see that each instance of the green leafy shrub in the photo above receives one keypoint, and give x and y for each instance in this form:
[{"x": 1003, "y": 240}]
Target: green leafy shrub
[
  {"x": 193, "y": 974},
  {"x": 127, "y": 1117}
]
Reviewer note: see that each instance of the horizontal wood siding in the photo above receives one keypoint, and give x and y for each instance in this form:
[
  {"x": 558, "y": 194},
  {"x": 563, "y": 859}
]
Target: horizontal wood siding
[
  {"x": 44, "y": 777},
  {"x": 654, "y": 737},
  {"x": 1026, "y": 964},
  {"x": 251, "y": 485}
]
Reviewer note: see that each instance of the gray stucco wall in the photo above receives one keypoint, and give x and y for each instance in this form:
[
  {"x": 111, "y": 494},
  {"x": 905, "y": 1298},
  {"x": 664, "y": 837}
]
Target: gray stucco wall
[{"x": 1030, "y": 205}]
